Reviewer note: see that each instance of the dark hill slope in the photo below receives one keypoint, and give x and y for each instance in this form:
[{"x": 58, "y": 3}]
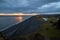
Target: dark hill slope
[{"x": 28, "y": 26}]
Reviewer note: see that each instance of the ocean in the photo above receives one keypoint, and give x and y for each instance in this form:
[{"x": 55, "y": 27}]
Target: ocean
[{"x": 6, "y": 22}]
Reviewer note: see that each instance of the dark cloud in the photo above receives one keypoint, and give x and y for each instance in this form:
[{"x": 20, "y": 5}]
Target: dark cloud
[
  {"x": 51, "y": 7},
  {"x": 28, "y": 5},
  {"x": 2, "y": 1}
]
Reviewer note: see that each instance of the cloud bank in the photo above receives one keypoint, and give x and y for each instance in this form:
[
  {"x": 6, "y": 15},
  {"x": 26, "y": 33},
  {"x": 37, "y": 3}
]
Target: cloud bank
[
  {"x": 50, "y": 7},
  {"x": 29, "y": 6}
]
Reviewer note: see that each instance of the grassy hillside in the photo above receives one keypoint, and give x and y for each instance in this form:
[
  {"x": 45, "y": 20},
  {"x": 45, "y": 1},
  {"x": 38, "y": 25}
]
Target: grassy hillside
[{"x": 47, "y": 31}]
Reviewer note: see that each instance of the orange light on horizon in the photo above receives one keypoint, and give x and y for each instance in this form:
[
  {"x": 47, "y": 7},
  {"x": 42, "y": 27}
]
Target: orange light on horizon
[{"x": 20, "y": 18}]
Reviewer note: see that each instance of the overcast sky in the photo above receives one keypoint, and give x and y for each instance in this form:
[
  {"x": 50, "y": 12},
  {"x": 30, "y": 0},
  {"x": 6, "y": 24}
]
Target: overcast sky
[{"x": 29, "y": 6}]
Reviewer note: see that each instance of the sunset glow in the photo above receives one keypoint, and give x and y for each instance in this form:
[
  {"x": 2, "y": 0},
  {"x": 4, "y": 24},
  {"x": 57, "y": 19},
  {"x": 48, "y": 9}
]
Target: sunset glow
[
  {"x": 20, "y": 19},
  {"x": 17, "y": 14}
]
